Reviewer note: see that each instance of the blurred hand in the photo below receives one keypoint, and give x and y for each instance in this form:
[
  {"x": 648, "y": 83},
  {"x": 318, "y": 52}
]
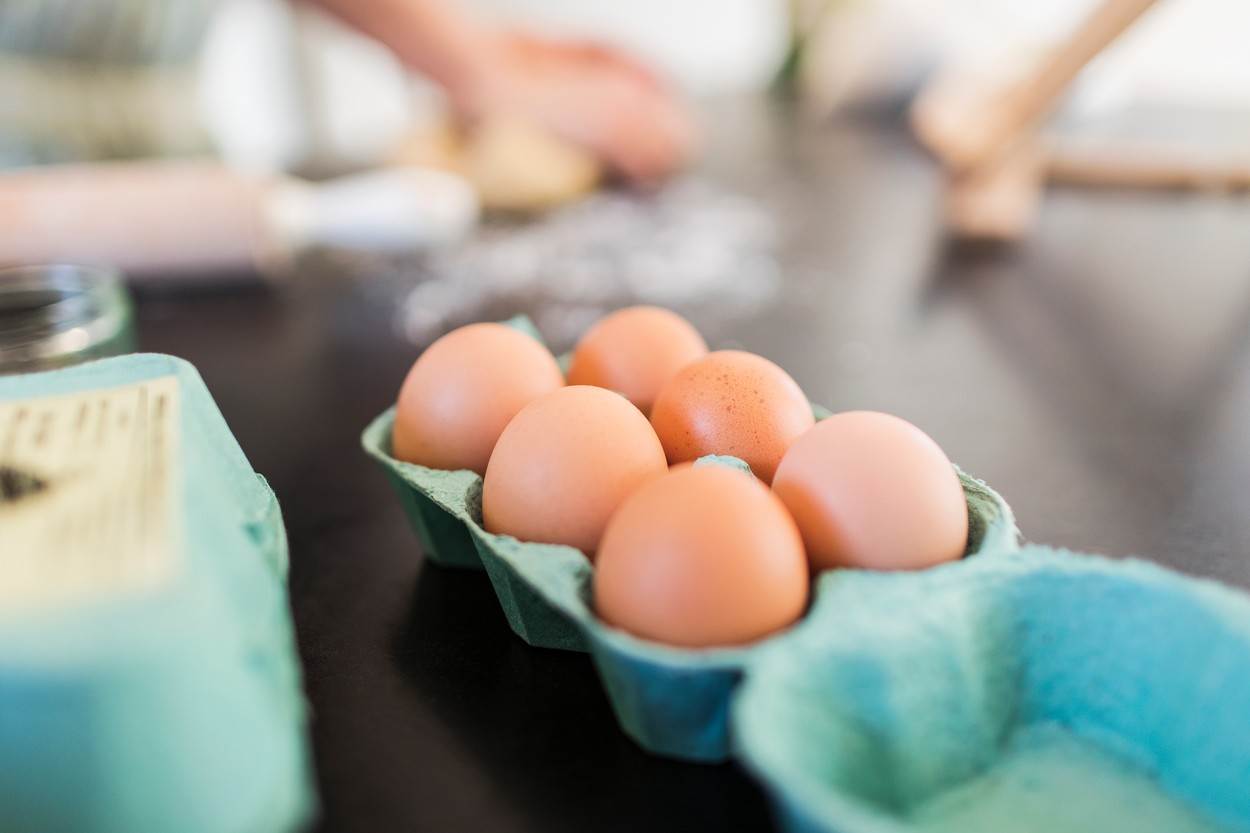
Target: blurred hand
[{"x": 590, "y": 95}]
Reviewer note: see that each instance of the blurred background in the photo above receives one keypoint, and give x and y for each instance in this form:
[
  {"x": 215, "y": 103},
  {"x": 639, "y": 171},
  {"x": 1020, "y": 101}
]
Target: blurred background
[
  {"x": 272, "y": 85},
  {"x": 468, "y": 110},
  {"x": 280, "y": 86}
]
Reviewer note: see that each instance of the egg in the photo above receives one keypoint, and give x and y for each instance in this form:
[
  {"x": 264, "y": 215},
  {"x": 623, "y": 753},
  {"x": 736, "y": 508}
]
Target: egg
[
  {"x": 701, "y": 557},
  {"x": 873, "y": 491},
  {"x": 564, "y": 464},
  {"x": 635, "y": 351},
  {"x": 734, "y": 403},
  {"x": 463, "y": 390}
]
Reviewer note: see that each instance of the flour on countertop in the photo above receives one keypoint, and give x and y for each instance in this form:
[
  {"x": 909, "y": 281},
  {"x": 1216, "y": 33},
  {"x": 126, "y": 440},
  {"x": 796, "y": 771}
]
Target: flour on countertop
[{"x": 690, "y": 246}]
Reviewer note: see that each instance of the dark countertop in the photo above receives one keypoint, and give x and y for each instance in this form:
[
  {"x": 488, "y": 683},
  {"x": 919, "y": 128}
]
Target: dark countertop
[{"x": 1098, "y": 376}]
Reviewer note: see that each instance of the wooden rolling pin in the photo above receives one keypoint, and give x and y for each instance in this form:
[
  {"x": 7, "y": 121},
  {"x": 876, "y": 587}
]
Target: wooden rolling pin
[
  {"x": 999, "y": 202},
  {"x": 1125, "y": 165},
  {"x": 967, "y": 127},
  {"x": 166, "y": 220}
]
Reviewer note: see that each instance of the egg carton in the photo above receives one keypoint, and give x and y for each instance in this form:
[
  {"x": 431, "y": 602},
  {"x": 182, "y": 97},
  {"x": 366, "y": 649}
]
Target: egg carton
[
  {"x": 166, "y": 704},
  {"x": 1039, "y": 690},
  {"x": 1026, "y": 688},
  {"x": 672, "y": 701}
]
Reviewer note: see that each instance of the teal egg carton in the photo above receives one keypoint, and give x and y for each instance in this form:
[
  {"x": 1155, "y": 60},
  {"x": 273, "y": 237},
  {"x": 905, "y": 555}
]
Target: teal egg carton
[
  {"x": 173, "y": 704},
  {"x": 672, "y": 701},
  {"x": 1038, "y": 691}
]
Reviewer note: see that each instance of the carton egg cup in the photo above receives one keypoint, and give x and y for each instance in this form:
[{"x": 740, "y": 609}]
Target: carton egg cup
[{"x": 1039, "y": 690}]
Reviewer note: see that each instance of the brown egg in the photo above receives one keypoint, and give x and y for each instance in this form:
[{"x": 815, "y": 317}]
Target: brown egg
[
  {"x": 463, "y": 390},
  {"x": 731, "y": 402},
  {"x": 564, "y": 464},
  {"x": 635, "y": 351},
  {"x": 873, "y": 491},
  {"x": 701, "y": 557}
]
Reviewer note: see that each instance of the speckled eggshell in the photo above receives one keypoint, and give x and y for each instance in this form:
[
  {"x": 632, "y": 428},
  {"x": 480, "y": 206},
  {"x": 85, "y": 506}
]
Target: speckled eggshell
[{"x": 731, "y": 403}]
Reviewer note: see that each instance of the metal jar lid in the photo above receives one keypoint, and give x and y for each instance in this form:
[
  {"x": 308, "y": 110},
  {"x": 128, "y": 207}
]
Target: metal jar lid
[{"x": 57, "y": 315}]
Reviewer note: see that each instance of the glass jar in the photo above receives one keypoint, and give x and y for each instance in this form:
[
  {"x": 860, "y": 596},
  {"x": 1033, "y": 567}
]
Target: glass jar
[{"x": 57, "y": 315}]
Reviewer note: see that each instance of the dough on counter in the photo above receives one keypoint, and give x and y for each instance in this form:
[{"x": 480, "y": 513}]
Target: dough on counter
[{"x": 515, "y": 166}]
